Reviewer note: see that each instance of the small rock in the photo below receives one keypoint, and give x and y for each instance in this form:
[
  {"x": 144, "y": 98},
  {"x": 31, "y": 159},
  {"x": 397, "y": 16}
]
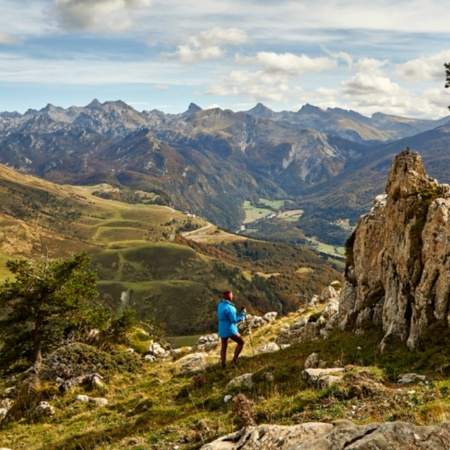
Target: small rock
[
  {"x": 312, "y": 361},
  {"x": 44, "y": 409},
  {"x": 243, "y": 380},
  {"x": 3, "y": 412},
  {"x": 227, "y": 398},
  {"x": 268, "y": 348},
  {"x": 100, "y": 401},
  {"x": 82, "y": 398},
  {"x": 97, "y": 382},
  {"x": 193, "y": 363},
  {"x": 408, "y": 378}
]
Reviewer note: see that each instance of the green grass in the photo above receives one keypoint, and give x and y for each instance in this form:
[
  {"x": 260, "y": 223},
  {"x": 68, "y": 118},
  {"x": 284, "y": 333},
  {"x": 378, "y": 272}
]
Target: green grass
[
  {"x": 183, "y": 341},
  {"x": 253, "y": 213},
  {"x": 158, "y": 408}
]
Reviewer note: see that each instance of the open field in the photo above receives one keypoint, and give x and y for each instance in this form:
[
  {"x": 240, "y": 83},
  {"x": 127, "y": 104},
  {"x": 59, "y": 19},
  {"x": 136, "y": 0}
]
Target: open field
[{"x": 253, "y": 213}]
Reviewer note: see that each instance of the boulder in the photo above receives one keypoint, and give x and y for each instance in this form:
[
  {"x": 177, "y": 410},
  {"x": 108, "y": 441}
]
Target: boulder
[
  {"x": 193, "y": 363},
  {"x": 312, "y": 361},
  {"x": 323, "y": 378},
  {"x": 408, "y": 378},
  {"x": 242, "y": 380}
]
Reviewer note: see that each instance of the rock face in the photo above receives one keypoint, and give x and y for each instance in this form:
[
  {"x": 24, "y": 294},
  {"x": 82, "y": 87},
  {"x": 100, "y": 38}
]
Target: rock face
[
  {"x": 398, "y": 268},
  {"x": 338, "y": 436}
]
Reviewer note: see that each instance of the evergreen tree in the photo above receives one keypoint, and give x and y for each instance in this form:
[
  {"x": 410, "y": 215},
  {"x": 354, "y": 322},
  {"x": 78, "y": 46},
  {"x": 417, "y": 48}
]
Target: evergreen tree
[{"x": 45, "y": 304}]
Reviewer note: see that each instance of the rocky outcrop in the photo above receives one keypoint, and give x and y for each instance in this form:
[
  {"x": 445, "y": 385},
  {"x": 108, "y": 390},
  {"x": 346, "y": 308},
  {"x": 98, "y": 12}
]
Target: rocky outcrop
[
  {"x": 398, "y": 264},
  {"x": 313, "y": 326},
  {"x": 340, "y": 435}
]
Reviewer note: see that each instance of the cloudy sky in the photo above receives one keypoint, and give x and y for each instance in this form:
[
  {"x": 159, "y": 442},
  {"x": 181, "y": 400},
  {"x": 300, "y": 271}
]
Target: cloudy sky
[{"x": 368, "y": 56}]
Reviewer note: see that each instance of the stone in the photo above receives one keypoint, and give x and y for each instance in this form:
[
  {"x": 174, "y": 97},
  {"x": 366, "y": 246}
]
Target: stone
[
  {"x": 3, "y": 413},
  {"x": 149, "y": 358},
  {"x": 242, "y": 380},
  {"x": 82, "y": 398},
  {"x": 193, "y": 363},
  {"x": 6, "y": 403},
  {"x": 44, "y": 409},
  {"x": 99, "y": 401},
  {"x": 268, "y": 348},
  {"x": 158, "y": 351},
  {"x": 331, "y": 309},
  {"x": 97, "y": 381},
  {"x": 321, "y": 378},
  {"x": 408, "y": 378},
  {"x": 227, "y": 398},
  {"x": 312, "y": 361},
  {"x": 270, "y": 316},
  {"x": 328, "y": 293},
  {"x": 207, "y": 343},
  {"x": 341, "y": 435}
]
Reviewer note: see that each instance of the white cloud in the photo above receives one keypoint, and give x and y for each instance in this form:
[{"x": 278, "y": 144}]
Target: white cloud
[
  {"x": 208, "y": 44},
  {"x": 108, "y": 15},
  {"x": 425, "y": 68},
  {"x": 8, "y": 38},
  {"x": 369, "y": 85},
  {"x": 288, "y": 63},
  {"x": 259, "y": 86}
]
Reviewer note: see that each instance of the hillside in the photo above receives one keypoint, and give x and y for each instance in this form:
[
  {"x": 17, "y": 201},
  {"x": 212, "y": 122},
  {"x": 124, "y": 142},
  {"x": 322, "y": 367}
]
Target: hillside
[
  {"x": 186, "y": 400},
  {"x": 142, "y": 259}
]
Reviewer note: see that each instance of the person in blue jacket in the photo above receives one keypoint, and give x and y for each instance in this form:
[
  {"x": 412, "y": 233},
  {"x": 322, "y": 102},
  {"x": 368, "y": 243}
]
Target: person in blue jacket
[{"x": 228, "y": 320}]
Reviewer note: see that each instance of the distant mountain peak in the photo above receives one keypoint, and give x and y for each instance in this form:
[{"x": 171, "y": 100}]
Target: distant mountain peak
[
  {"x": 94, "y": 104},
  {"x": 310, "y": 109},
  {"x": 261, "y": 110},
  {"x": 193, "y": 108}
]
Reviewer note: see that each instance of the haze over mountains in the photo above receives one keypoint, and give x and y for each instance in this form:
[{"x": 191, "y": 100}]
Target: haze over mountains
[{"x": 330, "y": 163}]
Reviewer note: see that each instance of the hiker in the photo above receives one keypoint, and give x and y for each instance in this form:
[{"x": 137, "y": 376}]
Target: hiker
[{"x": 228, "y": 320}]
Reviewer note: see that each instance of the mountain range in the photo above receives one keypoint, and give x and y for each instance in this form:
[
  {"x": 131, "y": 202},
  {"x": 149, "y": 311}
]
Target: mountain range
[{"x": 328, "y": 163}]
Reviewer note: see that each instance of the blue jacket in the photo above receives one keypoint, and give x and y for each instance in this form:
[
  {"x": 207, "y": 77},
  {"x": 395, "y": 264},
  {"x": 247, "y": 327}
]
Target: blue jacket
[{"x": 226, "y": 312}]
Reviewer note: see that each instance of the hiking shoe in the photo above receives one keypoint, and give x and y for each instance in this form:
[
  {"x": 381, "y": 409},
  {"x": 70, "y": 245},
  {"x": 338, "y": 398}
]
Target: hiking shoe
[{"x": 234, "y": 362}]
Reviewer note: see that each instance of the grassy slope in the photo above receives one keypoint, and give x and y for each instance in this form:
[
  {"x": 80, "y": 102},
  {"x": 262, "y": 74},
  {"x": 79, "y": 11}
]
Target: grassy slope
[
  {"x": 133, "y": 249},
  {"x": 159, "y": 408}
]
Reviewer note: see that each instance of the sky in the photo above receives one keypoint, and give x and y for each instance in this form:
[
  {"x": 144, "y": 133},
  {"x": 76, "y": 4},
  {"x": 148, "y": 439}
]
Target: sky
[{"x": 367, "y": 56}]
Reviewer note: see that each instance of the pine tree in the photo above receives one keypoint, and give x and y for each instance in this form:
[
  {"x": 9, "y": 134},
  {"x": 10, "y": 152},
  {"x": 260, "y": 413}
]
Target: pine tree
[{"x": 45, "y": 304}]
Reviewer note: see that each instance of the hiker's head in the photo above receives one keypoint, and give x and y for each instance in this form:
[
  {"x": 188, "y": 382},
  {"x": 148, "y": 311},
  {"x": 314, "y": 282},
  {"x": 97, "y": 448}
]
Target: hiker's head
[{"x": 228, "y": 295}]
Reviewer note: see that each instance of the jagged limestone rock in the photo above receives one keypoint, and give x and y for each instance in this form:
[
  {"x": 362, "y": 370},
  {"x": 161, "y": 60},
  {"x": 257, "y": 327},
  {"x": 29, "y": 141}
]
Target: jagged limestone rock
[
  {"x": 400, "y": 268},
  {"x": 340, "y": 435}
]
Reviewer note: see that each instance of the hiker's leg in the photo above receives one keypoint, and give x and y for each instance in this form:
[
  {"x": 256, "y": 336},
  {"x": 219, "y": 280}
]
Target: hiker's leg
[
  {"x": 223, "y": 351},
  {"x": 240, "y": 345}
]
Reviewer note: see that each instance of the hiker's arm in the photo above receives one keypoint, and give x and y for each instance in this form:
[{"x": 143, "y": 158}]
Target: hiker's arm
[{"x": 241, "y": 316}]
